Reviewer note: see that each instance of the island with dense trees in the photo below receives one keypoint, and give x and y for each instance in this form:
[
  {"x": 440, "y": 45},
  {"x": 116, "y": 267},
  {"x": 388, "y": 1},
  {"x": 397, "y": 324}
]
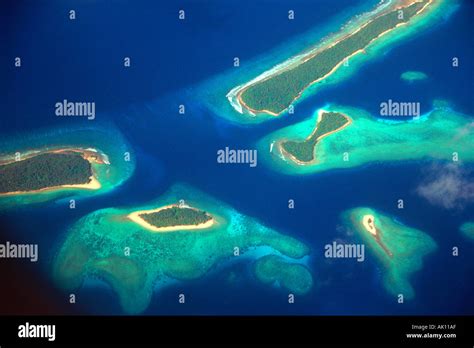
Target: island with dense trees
[
  {"x": 137, "y": 263},
  {"x": 49, "y": 170},
  {"x": 437, "y": 134},
  {"x": 302, "y": 152},
  {"x": 172, "y": 217},
  {"x": 274, "y": 91}
]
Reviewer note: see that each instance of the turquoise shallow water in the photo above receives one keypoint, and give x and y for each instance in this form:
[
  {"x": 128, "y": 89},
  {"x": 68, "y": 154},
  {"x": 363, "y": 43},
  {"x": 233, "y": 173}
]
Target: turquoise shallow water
[
  {"x": 134, "y": 260},
  {"x": 106, "y": 140},
  {"x": 442, "y": 133}
]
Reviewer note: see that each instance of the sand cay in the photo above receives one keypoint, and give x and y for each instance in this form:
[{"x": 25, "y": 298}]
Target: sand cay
[
  {"x": 136, "y": 217},
  {"x": 368, "y": 221}
]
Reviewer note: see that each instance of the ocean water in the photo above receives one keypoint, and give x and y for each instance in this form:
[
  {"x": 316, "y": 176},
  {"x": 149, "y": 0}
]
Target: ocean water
[{"x": 82, "y": 60}]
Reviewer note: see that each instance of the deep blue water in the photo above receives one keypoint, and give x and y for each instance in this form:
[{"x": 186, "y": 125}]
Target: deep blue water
[{"x": 82, "y": 60}]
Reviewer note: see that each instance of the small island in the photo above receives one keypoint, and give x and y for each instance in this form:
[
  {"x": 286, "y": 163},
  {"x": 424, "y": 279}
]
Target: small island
[
  {"x": 368, "y": 221},
  {"x": 274, "y": 91},
  {"x": 413, "y": 76},
  {"x": 302, "y": 152},
  {"x": 369, "y": 224},
  {"x": 94, "y": 248},
  {"x": 366, "y": 139},
  {"x": 47, "y": 170},
  {"x": 173, "y": 217},
  {"x": 399, "y": 249},
  {"x": 54, "y": 163},
  {"x": 273, "y": 269}
]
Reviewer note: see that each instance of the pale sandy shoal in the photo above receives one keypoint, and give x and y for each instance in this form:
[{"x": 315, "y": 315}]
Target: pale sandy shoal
[{"x": 370, "y": 228}]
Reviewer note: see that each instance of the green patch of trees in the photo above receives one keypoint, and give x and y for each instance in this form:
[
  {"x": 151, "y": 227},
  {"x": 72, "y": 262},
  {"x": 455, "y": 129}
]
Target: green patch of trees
[
  {"x": 44, "y": 170},
  {"x": 304, "y": 150},
  {"x": 175, "y": 216}
]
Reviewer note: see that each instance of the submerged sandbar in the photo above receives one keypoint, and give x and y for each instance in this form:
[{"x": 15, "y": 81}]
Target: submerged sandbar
[
  {"x": 467, "y": 229},
  {"x": 412, "y": 76}
]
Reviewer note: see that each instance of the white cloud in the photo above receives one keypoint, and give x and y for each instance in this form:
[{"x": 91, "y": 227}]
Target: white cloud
[{"x": 448, "y": 186}]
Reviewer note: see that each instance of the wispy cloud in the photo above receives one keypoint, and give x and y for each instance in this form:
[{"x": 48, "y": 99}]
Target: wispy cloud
[
  {"x": 466, "y": 130},
  {"x": 449, "y": 186}
]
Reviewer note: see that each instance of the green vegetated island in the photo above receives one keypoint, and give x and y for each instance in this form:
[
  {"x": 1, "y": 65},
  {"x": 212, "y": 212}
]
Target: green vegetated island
[
  {"x": 366, "y": 139},
  {"x": 467, "y": 229},
  {"x": 49, "y": 170},
  {"x": 173, "y": 217},
  {"x": 177, "y": 216},
  {"x": 96, "y": 246},
  {"x": 413, "y": 76},
  {"x": 399, "y": 249},
  {"x": 275, "y": 92},
  {"x": 55, "y": 163},
  {"x": 302, "y": 152}
]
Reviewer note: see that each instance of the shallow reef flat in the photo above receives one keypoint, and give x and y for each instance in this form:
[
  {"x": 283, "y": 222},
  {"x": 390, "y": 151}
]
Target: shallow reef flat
[
  {"x": 134, "y": 260},
  {"x": 273, "y": 269},
  {"x": 437, "y": 135}
]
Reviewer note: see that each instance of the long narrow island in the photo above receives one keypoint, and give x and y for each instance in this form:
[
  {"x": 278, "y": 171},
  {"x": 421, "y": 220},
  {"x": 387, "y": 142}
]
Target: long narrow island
[
  {"x": 172, "y": 217},
  {"x": 46, "y": 170},
  {"x": 275, "y": 90},
  {"x": 302, "y": 152}
]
